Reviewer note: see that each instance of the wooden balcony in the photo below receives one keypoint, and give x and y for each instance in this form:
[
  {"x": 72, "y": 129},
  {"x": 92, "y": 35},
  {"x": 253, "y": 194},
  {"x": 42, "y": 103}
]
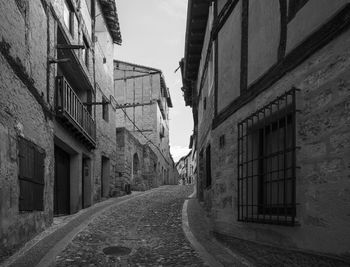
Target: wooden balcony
[{"x": 73, "y": 114}]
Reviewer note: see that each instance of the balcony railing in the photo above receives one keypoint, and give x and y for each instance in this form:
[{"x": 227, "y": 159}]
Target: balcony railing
[{"x": 74, "y": 113}]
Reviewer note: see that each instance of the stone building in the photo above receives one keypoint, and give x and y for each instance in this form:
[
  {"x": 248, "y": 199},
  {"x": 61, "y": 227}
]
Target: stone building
[
  {"x": 136, "y": 164},
  {"x": 193, "y": 157},
  {"x": 107, "y": 34},
  {"x": 269, "y": 83},
  {"x": 56, "y": 66},
  {"x": 186, "y": 169},
  {"x": 143, "y": 103}
]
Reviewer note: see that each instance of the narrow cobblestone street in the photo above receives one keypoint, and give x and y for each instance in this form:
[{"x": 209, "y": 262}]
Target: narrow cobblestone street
[{"x": 149, "y": 225}]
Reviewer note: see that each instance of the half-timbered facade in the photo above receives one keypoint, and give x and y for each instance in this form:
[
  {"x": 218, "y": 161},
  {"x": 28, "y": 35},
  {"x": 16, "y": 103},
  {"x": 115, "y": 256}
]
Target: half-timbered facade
[
  {"x": 143, "y": 102},
  {"x": 268, "y": 82}
]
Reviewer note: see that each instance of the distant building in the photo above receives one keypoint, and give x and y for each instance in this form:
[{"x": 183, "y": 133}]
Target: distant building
[
  {"x": 143, "y": 101},
  {"x": 185, "y": 168},
  {"x": 268, "y": 83},
  {"x": 137, "y": 163},
  {"x": 193, "y": 160}
]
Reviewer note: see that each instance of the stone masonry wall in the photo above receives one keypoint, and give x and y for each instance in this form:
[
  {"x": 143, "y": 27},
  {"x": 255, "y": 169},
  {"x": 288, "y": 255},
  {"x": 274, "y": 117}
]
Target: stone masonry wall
[
  {"x": 322, "y": 185},
  {"x": 106, "y": 129},
  {"x": 127, "y": 146},
  {"x": 148, "y": 118},
  {"x": 24, "y": 111}
]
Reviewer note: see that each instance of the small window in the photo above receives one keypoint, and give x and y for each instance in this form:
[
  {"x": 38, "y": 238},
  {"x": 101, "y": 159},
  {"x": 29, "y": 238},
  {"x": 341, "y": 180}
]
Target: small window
[
  {"x": 68, "y": 17},
  {"x": 105, "y": 110},
  {"x": 135, "y": 164},
  {"x": 222, "y": 141},
  {"x": 266, "y": 163},
  {"x": 31, "y": 176},
  {"x": 85, "y": 52}
]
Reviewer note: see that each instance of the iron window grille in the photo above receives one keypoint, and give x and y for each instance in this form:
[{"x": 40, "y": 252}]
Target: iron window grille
[
  {"x": 31, "y": 176},
  {"x": 267, "y": 163}
]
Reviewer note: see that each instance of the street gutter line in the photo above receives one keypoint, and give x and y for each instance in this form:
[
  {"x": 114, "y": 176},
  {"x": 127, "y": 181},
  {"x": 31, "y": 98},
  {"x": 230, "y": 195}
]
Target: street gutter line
[{"x": 204, "y": 254}]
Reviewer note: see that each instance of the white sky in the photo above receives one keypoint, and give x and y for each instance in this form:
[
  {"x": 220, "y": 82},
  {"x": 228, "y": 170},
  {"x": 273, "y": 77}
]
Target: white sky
[{"x": 153, "y": 33}]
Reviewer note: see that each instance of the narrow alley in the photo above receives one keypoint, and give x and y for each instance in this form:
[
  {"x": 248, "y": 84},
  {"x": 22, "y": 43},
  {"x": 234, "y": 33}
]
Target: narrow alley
[
  {"x": 149, "y": 224},
  {"x": 165, "y": 226},
  {"x": 174, "y": 133}
]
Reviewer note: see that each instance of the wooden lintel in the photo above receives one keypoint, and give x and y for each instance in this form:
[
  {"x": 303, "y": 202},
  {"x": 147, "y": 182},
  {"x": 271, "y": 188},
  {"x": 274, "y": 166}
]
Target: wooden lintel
[{"x": 64, "y": 46}]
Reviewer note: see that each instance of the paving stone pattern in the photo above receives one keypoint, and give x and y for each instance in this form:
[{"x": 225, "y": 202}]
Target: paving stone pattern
[
  {"x": 262, "y": 255},
  {"x": 150, "y": 225}
]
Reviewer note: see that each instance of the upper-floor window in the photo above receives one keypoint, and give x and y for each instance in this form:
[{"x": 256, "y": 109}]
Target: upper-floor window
[
  {"x": 68, "y": 17},
  {"x": 85, "y": 52},
  {"x": 266, "y": 163},
  {"x": 105, "y": 112}
]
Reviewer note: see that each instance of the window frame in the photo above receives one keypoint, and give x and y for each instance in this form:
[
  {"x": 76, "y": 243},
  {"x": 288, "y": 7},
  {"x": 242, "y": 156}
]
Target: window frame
[
  {"x": 253, "y": 157},
  {"x": 85, "y": 52},
  {"x": 105, "y": 109},
  {"x": 69, "y": 22}
]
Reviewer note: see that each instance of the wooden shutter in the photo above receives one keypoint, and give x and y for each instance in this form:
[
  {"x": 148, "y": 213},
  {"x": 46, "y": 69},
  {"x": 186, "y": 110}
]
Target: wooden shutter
[{"x": 31, "y": 176}]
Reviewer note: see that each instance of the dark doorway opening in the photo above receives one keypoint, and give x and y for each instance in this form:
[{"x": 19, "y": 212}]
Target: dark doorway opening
[
  {"x": 85, "y": 183},
  {"x": 62, "y": 182},
  {"x": 104, "y": 176}
]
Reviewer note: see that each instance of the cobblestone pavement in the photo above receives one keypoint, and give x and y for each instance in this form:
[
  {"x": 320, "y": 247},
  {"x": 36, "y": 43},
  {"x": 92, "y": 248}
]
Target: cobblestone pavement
[{"x": 151, "y": 226}]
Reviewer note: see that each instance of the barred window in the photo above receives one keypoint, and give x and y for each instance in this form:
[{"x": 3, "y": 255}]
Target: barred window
[
  {"x": 31, "y": 176},
  {"x": 266, "y": 163}
]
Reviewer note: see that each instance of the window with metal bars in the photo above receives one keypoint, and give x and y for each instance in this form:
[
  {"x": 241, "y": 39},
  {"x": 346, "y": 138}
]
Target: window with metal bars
[
  {"x": 31, "y": 176},
  {"x": 266, "y": 163}
]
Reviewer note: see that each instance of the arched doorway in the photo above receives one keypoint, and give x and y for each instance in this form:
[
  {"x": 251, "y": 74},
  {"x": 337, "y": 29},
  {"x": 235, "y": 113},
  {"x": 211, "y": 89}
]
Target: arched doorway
[{"x": 135, "y": 165}]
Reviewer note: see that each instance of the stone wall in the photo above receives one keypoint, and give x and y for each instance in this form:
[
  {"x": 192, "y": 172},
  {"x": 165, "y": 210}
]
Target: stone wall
[
  {"x": 106, "y": 133},
  {"x": 24, "y": 111},
  {"x": 323, "y": 188},
  {"x": 322, "y": 122},
  {"x": 145, "y": 177}
]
